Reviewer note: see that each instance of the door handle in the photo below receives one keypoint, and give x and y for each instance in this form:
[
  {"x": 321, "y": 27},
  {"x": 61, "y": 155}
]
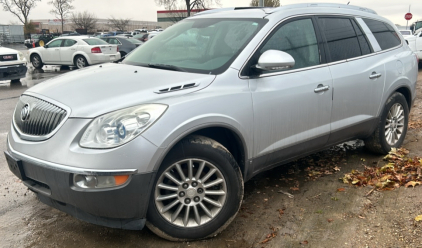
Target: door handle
[
  {"x": 321, "y": 88},
  {"x": 374, "y": 75}
]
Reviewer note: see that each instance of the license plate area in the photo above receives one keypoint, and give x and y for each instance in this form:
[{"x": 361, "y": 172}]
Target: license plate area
[
  {"x": 112, "y": 57},
  {"x": 15, "y": 166}
]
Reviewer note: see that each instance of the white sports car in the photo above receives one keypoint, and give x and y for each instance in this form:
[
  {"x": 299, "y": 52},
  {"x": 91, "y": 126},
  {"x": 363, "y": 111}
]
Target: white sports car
[{"x": 80, "y": 51}]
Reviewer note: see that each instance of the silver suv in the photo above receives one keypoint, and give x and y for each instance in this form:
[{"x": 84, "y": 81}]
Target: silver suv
[{"x": 168, "y": 137}]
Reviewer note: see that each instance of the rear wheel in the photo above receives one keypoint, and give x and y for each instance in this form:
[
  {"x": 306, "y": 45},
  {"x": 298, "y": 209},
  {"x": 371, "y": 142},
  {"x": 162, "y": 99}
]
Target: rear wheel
[
  {"x": 80, "y": 62},
  {"x": 197, "y": 192},
  {"x": 122, "y": 54},
  {"x": 36, "y": 61},
  {"x": 15, "y": 81},
  {"x": 392, "y": 126}
]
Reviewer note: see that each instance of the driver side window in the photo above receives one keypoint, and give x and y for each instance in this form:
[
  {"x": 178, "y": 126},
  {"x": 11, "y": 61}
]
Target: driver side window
[
  {"x": 56, "y": 43},
  {"x": 298, "y": 39}
]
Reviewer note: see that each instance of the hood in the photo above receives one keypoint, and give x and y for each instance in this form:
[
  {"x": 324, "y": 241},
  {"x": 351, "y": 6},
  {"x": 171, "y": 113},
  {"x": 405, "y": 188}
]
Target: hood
[
  {"x": 100, "y": 89},
  {"x": 5, "y": 50}
]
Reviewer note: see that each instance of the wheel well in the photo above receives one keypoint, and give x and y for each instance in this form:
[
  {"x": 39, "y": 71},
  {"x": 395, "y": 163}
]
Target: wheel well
[
  {"x": 229, "y": 140},
  {"x": 406, "y": 93}
]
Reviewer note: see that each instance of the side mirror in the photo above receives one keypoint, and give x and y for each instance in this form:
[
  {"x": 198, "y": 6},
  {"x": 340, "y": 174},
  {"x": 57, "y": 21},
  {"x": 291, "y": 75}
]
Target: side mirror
[
  {"x": 45, "y": 46},
  {"x": 274, "y": 60}
]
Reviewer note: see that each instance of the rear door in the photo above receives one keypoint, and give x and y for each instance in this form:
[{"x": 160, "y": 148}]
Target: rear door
[
  {"x": 292, "y": 107},
  {"x": 67, "y": 50},
  {"x": 358, "y": 78}
]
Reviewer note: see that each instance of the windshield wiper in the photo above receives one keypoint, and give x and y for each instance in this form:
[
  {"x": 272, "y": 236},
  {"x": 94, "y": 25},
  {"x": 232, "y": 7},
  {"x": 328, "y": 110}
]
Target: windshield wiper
[{"x": 166, "y": 67}]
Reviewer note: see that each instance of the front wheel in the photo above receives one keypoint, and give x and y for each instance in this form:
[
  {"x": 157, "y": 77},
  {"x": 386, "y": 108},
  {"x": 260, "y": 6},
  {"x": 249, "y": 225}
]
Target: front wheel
[
  {"x": 36, "y": 61},
  {"x": 392, "y": 126},
  {"x": 197, "y": 192}
]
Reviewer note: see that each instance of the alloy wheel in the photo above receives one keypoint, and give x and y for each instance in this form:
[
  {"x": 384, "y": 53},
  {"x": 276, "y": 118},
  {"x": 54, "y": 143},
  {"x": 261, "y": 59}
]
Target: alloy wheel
[
  {"x": 80, "y": 62},
  {"x": 394, "y": 124},
  {"x": 190, "y": 193}
]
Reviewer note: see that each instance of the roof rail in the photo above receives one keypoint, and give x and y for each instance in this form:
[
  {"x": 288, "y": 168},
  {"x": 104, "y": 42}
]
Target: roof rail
[
  {"x": 214, "y": 11},
  {"x": 325, "y": 5},
  {"x": 232, "y": 8}
]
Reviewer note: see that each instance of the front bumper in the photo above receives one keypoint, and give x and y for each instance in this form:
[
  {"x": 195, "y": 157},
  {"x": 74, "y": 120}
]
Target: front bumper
[
  {"x": 124, "y": 207},
  {"x": 11, "y": 72}
]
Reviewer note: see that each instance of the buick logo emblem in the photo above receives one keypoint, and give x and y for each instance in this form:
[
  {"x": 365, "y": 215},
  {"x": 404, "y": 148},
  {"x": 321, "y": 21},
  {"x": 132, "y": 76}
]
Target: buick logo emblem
[{"x": 25, "y": 112}]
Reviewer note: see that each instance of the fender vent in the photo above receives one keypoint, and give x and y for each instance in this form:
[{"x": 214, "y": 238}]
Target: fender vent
[{"x": 176, "y": 88}]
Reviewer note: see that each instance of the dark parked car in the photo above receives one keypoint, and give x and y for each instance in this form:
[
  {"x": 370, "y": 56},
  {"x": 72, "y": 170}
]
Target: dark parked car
[
  {"x": 142, "y": 37},
  {"x": 125, "y": 45}
]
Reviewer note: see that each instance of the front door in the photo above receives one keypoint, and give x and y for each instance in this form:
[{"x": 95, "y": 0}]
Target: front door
[
  {"x": 292, "y": 107},
  {"x": 51, "y": 54}
]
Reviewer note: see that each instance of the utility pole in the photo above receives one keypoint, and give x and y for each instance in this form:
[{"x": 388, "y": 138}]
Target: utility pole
[
  {"x": 407, "y": 23},
  {"x": 261, "y": 3}
]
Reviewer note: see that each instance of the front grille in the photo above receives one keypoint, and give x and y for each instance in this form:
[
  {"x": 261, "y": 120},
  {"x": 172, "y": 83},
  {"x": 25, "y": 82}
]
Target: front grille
[
  {"x": 42, "y": 117},
  {"x": 8, "y": 57}
]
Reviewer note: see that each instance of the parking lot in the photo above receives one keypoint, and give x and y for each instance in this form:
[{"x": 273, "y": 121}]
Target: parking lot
[{"x": 283, "y": 207}]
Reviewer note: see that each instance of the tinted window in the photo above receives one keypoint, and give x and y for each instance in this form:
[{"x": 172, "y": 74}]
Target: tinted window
[
  {"x": 113, "y": 41},
  {"x": 341, "y": 38},
  {"x": 298, "y": 39},
  {"x": 69, "y": 43},
  {"x": 94, "y": 42},
  {"x": 384, "y": 33},
  {"x": 363, "y": 41}
]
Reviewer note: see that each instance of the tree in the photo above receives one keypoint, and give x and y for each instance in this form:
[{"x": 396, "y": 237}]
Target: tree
[
  {"x": 84, "y": 20},
  {"x": 61, "y": 9},
  {"x": 190, "y": 4},
  {"x": 267, "y": 3},
  {"x": 118, "y": 24},
  {"x": 19, "y": 8}
]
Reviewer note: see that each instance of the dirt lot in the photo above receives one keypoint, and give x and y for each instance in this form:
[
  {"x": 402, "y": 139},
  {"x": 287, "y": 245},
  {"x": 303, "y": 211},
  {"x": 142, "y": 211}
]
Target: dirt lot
[{"x": 318, "y": 213}]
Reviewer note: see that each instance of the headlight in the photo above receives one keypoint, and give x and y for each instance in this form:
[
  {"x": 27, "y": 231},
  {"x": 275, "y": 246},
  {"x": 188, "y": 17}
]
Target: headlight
[
  {"x": 21, "y": 56},
  {"x": 119, "y": 127}
]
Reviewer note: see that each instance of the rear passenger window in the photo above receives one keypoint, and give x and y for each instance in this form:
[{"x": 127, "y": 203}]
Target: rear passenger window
[
  {"x": 363, "y": 42},
  {"x": 341, "y": 38},
  {"x": 298, "y": 39},
  {"x": 384, "y": 33}
]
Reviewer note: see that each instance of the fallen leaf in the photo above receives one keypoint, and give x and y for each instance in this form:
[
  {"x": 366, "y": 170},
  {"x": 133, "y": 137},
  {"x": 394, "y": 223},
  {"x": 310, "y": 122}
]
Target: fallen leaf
[
  {"x": 305, "y": 242},
  {"x": 418, "y": 218},
  {"x": 411, "y": 183},
  {"x": 341, "y": 189},
  {"x": 330, "y": 220},
  {"x": 294, "y": 188},
  {"x": 337, "y": 168}
]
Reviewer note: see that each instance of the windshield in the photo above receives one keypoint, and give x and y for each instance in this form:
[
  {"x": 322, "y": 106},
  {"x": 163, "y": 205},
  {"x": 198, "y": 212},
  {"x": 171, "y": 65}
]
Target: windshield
[
  {"x": 405, "y": 32},
  {"x": 94, "y": 42},
  {"x": 206, "y": 46}
]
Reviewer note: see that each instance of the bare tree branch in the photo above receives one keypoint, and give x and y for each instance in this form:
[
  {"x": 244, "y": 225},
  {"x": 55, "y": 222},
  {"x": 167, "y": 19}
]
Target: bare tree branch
[
  {"x": 267, "y": 3},
  {"x": 84, "y": 20},
  {"x": 189, "y": 4},
  {"x": 19, "y": 8},
  {"x": 118, "y": 24},
  {"x": 61, "y": 9}
]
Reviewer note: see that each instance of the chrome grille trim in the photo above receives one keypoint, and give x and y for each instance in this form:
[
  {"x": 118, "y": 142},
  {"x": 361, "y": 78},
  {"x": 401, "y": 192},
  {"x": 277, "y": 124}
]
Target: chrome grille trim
[{"x": 46, "y": 117}]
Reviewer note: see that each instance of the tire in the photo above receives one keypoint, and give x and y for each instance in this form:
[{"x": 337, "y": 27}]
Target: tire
[
  {"x": 122, "y": 54},
  {"x": 15, "y": 81},
  {"x": 36, "y": 61},
  {"x": 383, "y": 139},
  {"x": 199, "y": 150},
  {"x": 80, "y": 62}
]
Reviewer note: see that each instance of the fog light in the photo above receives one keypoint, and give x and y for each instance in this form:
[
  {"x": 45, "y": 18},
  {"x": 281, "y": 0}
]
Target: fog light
[{"x": 99, "y": 182}]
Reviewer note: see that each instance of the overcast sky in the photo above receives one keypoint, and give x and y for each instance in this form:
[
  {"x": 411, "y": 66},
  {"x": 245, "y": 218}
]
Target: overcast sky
[{"x": 146, "y": 10}]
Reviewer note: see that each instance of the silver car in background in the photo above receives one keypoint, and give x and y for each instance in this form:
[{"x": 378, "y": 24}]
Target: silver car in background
[{"x": 168, "y": 137}]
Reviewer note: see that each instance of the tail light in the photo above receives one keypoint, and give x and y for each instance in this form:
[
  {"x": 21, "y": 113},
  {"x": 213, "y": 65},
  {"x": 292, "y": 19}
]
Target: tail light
[
  {"x": 117, "y": 49},
  {"x": 96, "y": 50},
  {"x": 417, "y": 59}
]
